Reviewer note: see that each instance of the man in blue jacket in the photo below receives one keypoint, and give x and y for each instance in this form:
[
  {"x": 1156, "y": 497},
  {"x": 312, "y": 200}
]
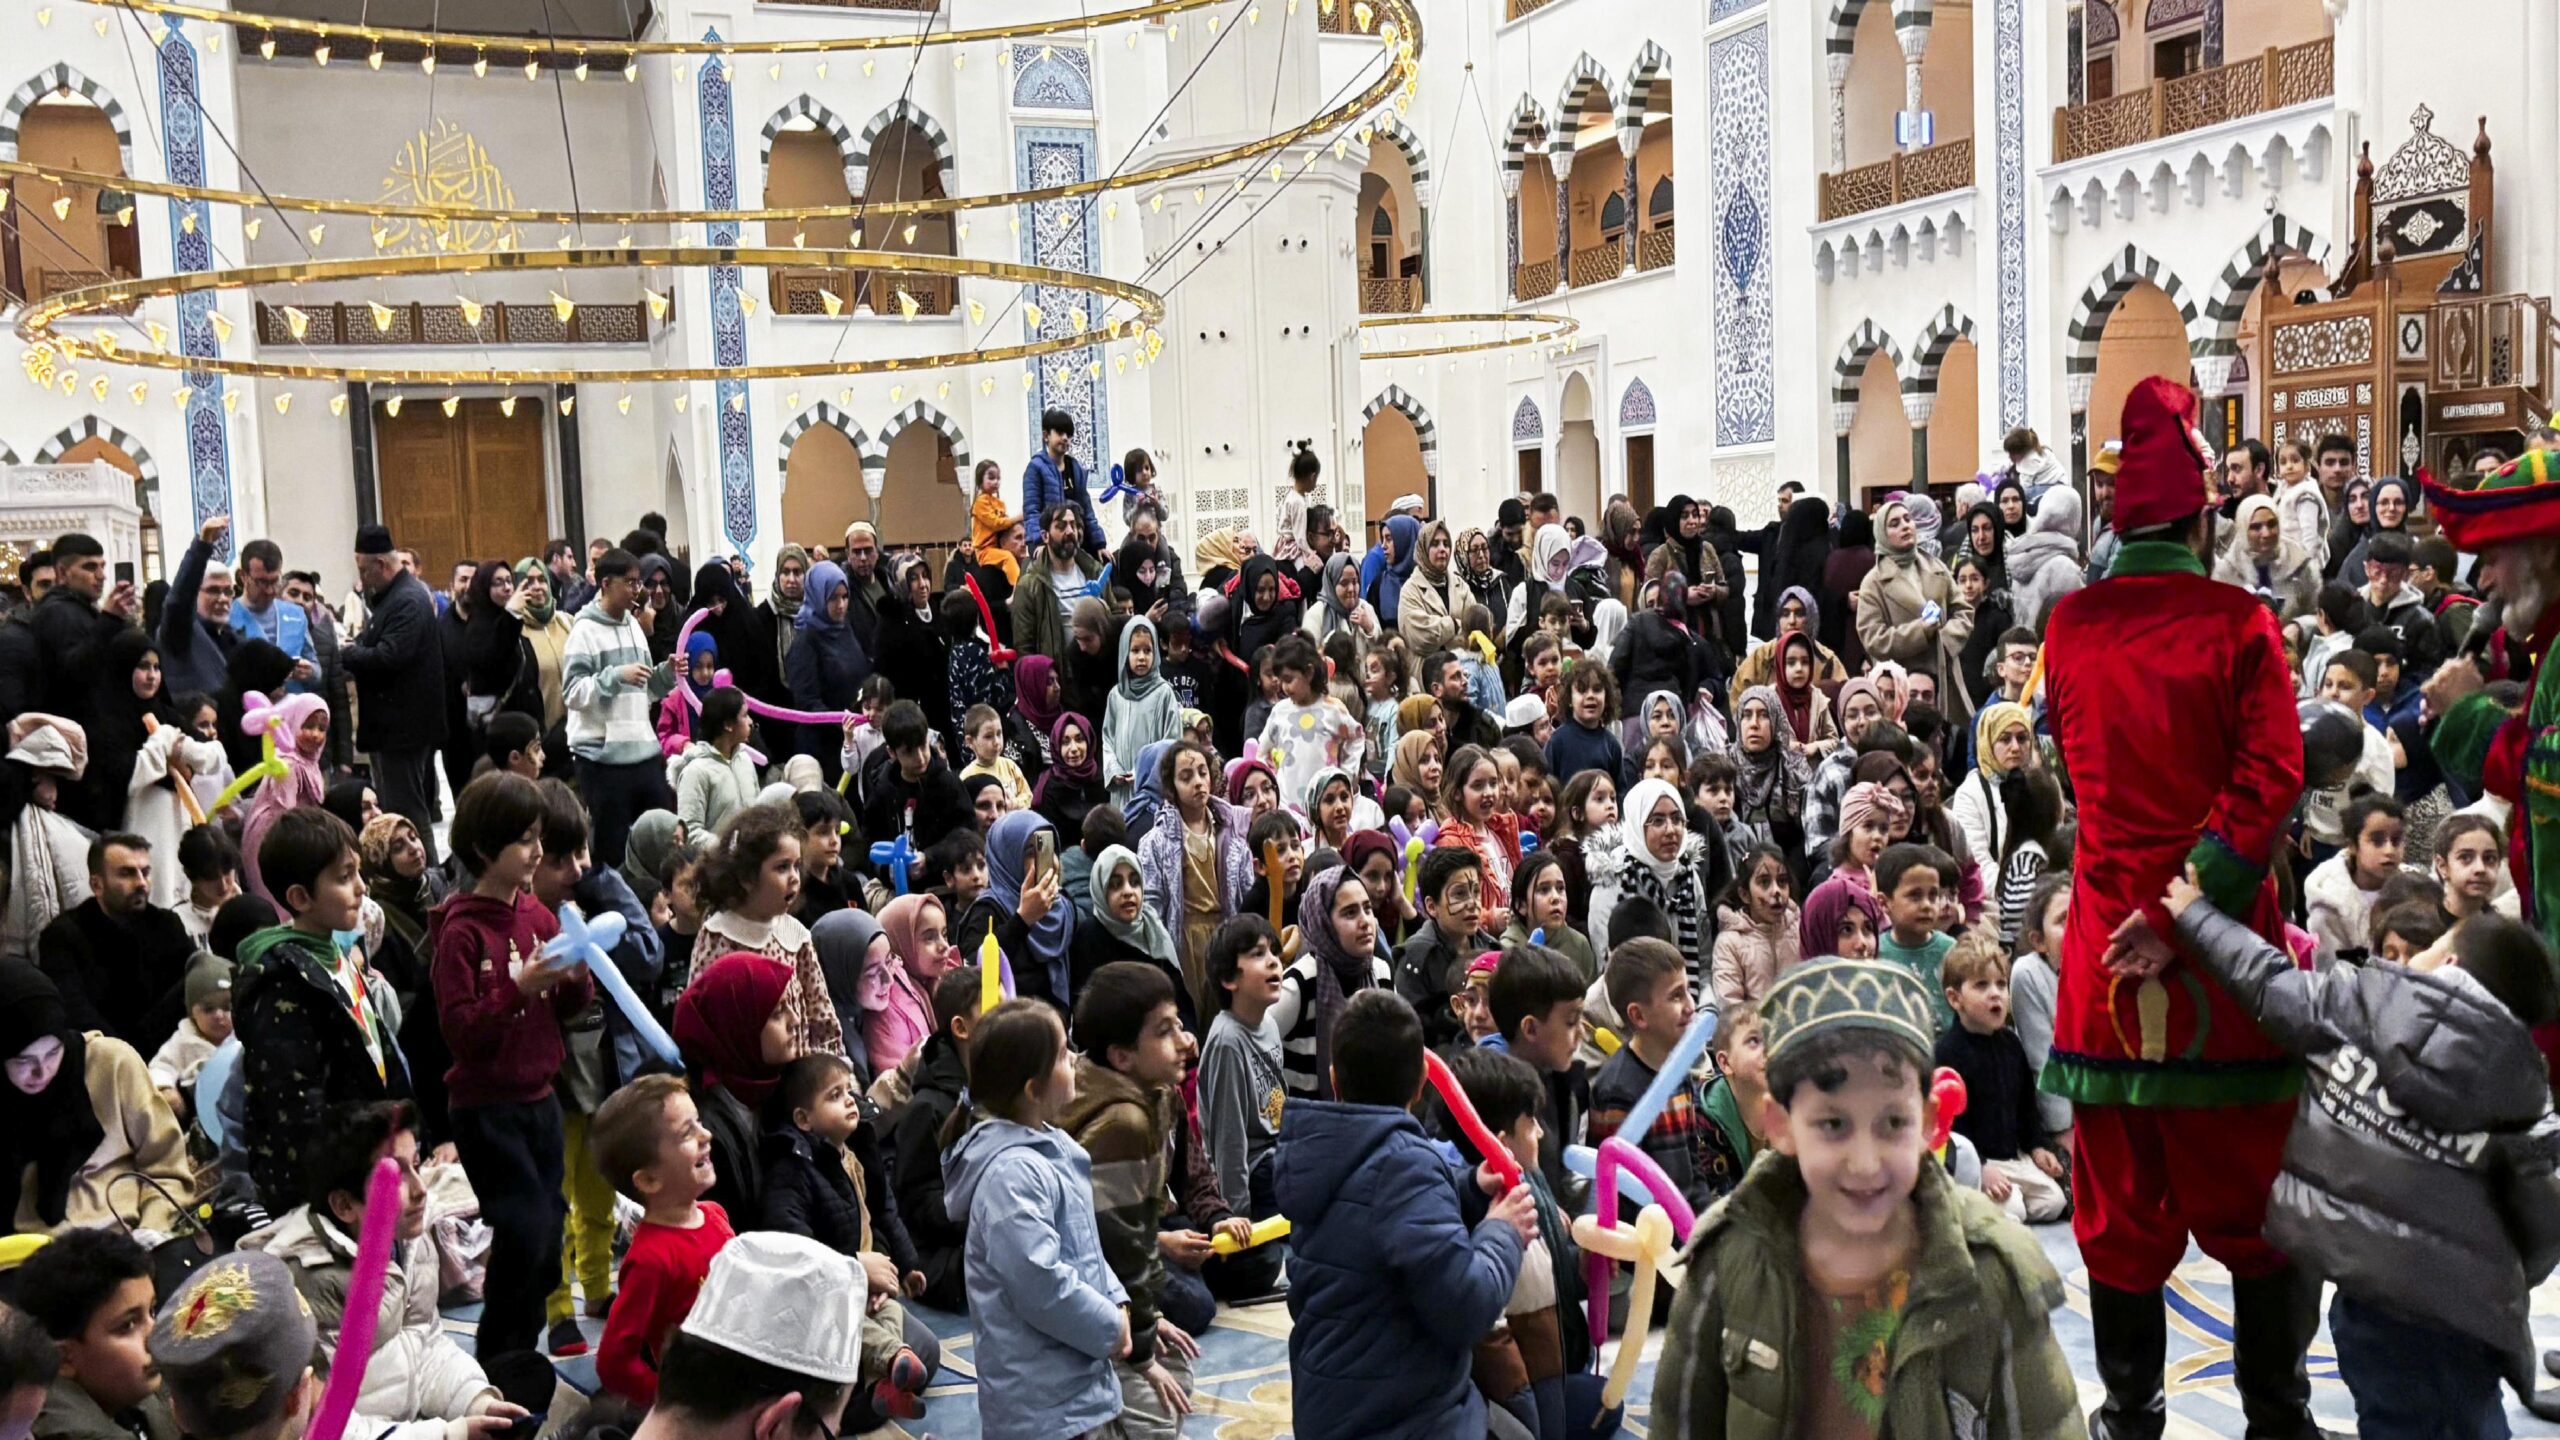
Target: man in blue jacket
[
  {"x": 262, "y": 613},
  {"x": 1397, "y": 1264},
  {"x": 1054, "y": 477}
]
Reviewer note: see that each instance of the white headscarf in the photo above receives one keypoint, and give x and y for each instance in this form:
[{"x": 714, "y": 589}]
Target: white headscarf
[
  {"x": 1547, "y": 551},
  {"x": 1641, "y": 799}
]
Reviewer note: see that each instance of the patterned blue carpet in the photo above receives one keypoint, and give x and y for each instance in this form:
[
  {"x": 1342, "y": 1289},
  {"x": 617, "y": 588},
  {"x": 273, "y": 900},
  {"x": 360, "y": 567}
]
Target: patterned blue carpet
[{"x": 1243, "y": 1370}]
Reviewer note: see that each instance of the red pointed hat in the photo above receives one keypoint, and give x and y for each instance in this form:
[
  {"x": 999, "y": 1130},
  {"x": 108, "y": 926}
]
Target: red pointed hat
[
  {"x": 2519, "y": 502},
  {"x": 2160, "y": 479}
]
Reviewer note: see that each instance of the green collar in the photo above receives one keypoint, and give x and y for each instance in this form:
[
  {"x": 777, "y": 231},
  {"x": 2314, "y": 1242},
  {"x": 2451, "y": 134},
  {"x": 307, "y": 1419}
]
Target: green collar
[{"x": 2154, "y": 557}]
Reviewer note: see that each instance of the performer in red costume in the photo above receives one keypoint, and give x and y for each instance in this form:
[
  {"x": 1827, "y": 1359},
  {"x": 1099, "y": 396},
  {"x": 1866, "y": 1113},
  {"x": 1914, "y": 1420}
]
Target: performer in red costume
[{"x": 2170, "y": 700}]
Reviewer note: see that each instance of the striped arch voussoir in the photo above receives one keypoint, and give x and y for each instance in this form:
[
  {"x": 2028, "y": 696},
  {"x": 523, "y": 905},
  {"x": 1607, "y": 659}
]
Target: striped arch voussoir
[
  {"x": 828, "y": 415},
  {"x": 1586, "y": 91},
  {"x": 2129, "y": 268},
  {"x": 1846, "y": 371},
  {"x": 825, "y": 119},
  {"x": 1652, "y": 68},
  {"x": 1945, "y": 329},
  {"x": 2277, "y": 239},
  {"x": 919, "y": 412},
  {"x": 1416, "y": 160},
  {"x": 59, "y": 79},
  {"x": 913, "y": 114}
]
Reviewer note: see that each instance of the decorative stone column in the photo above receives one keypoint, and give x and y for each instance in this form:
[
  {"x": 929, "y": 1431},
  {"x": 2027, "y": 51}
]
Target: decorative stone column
[
  {"x": 2213, "y": 375},
  {"x": 2076, "y": 388},
  {"x": 1915, "y": 44},
  {"x": 1837, "y": 67},
  {"x": 1564, "y": 219},
  {"x": 1511, "y": 215},
  {"x": 1920, "y": 407},
  {"x": 1844, "y": 416}
]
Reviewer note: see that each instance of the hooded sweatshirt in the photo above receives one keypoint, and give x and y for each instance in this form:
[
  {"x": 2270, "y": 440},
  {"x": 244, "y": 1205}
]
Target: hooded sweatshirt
[
  {"x": 1394, "y": 1274},
  {"x": 506, "y": 1045},
  {"x": 1043, "y": 1302},
  {"x": 608, "y": 720}
]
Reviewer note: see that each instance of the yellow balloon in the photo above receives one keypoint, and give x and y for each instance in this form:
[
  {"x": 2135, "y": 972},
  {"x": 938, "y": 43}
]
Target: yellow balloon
[
  {"x": 990, "y": 983},
  {"x": 1264, "y": 1232}
]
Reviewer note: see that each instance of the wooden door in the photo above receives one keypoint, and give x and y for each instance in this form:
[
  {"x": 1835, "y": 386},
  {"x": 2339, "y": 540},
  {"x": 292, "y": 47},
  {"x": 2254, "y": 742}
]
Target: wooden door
[
  {"x": 1533, "y": 476},
  {"x": 469, "y": 487},
  {"x": 2102, "y": 79},
  {"x": 1640, "y": 473}
]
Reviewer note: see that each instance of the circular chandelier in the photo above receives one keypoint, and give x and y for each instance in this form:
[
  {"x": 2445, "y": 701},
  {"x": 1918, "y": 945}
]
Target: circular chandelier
[
  {"x": 1544, "y": 329},
  {"x": 36, "y": 322}
]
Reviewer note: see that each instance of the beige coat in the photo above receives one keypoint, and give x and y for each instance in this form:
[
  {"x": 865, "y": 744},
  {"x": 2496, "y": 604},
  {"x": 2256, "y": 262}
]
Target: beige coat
[
  {"x": 1890, "y": 602},
  {"x": 142, "y": 1139},
  {"x": 1426, "y": 618}
]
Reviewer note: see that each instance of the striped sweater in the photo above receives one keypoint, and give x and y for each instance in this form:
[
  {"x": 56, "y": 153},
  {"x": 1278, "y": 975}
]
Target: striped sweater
[{"x": 609, "y": 721}]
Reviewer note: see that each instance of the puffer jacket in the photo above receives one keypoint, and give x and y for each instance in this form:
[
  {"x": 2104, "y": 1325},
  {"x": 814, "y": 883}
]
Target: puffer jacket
[
  {"x": 1891, "y": 601},
  {"x": 417, "y": 1371},
  {"x": 1976, "y": 1338},
  {"x": 1748, "y": 959},
  {"x": 2419, "y": 1173},
  {"x": 1394, "y": 1275},
  {"x": 1126, "y": 1129},
  {"x": 710, "y": 786},
  {"x": 2044, "y": 563},
  {"x": 1042, "y": 1300}
]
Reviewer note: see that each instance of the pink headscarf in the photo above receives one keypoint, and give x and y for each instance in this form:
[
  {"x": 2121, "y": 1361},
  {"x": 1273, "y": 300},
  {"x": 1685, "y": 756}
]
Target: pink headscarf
[
  {"x": 1871, "y": 801},
  {"x": 303, "y": 783},
  {"x": 903, "y": 1019},
  {"x": 1901, "y": 686}
]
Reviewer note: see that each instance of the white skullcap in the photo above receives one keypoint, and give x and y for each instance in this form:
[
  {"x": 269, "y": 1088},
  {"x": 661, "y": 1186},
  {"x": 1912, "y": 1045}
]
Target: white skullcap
[
  {"x": 1406, "y": 505},
  {"x": 785, "y": 1300}
]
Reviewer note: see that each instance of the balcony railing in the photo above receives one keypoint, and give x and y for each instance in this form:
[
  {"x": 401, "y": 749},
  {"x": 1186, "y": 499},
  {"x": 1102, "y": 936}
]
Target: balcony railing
[
  {"x": 420, "y": 323},
  {"x": 2270, "y": 80},
  {"x": 1654, "y": 249},
  {"x": 1517, "y": 8},
  {"x": 1604, "y": 261},
  {"x": 1390, "y": 294},
  {"x": 54, "y": 282},
  {"x": 1535, "y": 279},
  {"x": 805, "y": 291},
  {"x": 1935, "y": 170}
]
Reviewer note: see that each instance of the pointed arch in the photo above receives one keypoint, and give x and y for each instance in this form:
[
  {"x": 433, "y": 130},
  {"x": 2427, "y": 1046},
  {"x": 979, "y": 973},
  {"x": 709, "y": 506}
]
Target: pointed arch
[
  {"x": 7, "y": 455},
  {"x": 1840, "y": 36},
  {"x": 1944, "y": 330},
  {"x": 2276, "y": 240},
  {"x": 1400, "y": 135},
  {"x": 2130, "y": 267},
  {"x": 60, "y": 79},
  {"x": 921, "y": 412},
  {"x": 1523, "y": 132},
  {"x": 90, "y": 427},
  {"x": 1652, "y": 68},
  {"x": 1396, "y": 398},
  {"x": 1851, "y": 366},
  {"x": 913, "y": 114},
  {"x": 1587, "y": 92},
  {"x": 1528, "y": 427},
  {"x": 874, "y": 453},
  {"x": 806, "y": 108},
  {"x": 1636, "y": 410}
]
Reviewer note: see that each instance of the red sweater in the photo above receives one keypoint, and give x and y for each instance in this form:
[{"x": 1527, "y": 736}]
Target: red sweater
[
  {"x": 661, "y": 1273},
  {"x": 505, "y": 1048}
]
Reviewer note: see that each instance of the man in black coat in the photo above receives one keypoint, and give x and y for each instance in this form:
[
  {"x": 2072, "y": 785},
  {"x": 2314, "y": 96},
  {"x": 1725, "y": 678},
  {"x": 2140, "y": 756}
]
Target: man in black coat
[
  {"x": 72, "y": 627},
  {"x": 119, "y": 960},
  {"x": 195, "y": 623},
  {"x": 398, "y": 667}
]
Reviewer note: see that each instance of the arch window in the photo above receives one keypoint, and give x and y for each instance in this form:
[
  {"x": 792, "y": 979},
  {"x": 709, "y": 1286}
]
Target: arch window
[{"x": 63, "y": 237}]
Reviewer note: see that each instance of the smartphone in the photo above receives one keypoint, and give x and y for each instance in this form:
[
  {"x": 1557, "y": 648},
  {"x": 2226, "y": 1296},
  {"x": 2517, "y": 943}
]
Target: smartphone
[
  {"x": 1043, "y": 859},
  {"x": 124, "y": 572}
]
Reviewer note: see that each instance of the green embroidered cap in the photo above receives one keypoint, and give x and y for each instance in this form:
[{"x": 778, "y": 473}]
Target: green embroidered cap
[{"x": 1830, "y": 994}]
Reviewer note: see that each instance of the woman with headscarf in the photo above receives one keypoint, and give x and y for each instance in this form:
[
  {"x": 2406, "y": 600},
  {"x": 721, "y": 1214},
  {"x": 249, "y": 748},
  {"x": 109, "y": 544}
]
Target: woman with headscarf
[
  {"x": 1403, "y": 546},
  {"x": 851, "y": 946},
  {"x": 1220, "y": 556},
  {"x": 2004, "y": 742},
  {"x": 1666, "y": 862},
  {"x": 1142, "y": 708},
  {"x": 1032, "y": 922},
  {"x": 492, "y": 643},
  {"x": 1125, "y": 926},
  {"x": 1267, "y": 603},
  {"x": 1910, "y": 611},
  {"x": 1324, "y": 977},
  {"x": 2045, "y": 563},
  {"x": 1926, "y": 520},
  {"x": 2347, "y": 532},
  {"x": 1428, "y": 607},
  {"x": 1992, "y": 618},
  {"x": 2392, "y": 500},
  {"x": 1686, "y": 551},
  {"x": 1418, "y": 765},
  {"x": 1798, "y": 610},
  {"x": 396, "y": 873},
  {"x": 1039, "y": 699},
  {"x": 730, "y": 618},
  {"x": 1622, "y": 538},
  {"x": 129, "y": 699},
  {"x": 1475, "y": 566},
  {"x": 1091, "y": 665},
  {"x": 1986, "y": 543},
  {"x": 302, "y": 784},
  {"x": 1657, "y": 650},
  {"x": 1070, "y": 788},
  {"x": 2263, "y": 559},
  {"x": 897, "y": 989},
  {"x": 1801, "y": 697},
  {"x": 720, "y": 1027},
  {"x": 546, "y": 640},
  {"x": 660, "y": 612},
  {"x": 911, "y": 650},
  {"x": 827, "y": 664},
  {"x": 1798, "y": 557},
  {"x": 78, "y": 1115},
  {"x": 1770, "y": 773},
  {"x": 1339, "y": 608},
  {"x": 1841, "y": 918},
  {"x": 654, "y": 843},
  {"x": 2009, "y": 505},
  {"x": 1147, "y": 568},
  {"x": 1853, "y": 555}
]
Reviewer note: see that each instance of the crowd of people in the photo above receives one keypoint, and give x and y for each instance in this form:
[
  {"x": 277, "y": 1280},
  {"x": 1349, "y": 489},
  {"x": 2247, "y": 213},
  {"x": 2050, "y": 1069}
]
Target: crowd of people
[{"x": 2015, "y": 787}]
